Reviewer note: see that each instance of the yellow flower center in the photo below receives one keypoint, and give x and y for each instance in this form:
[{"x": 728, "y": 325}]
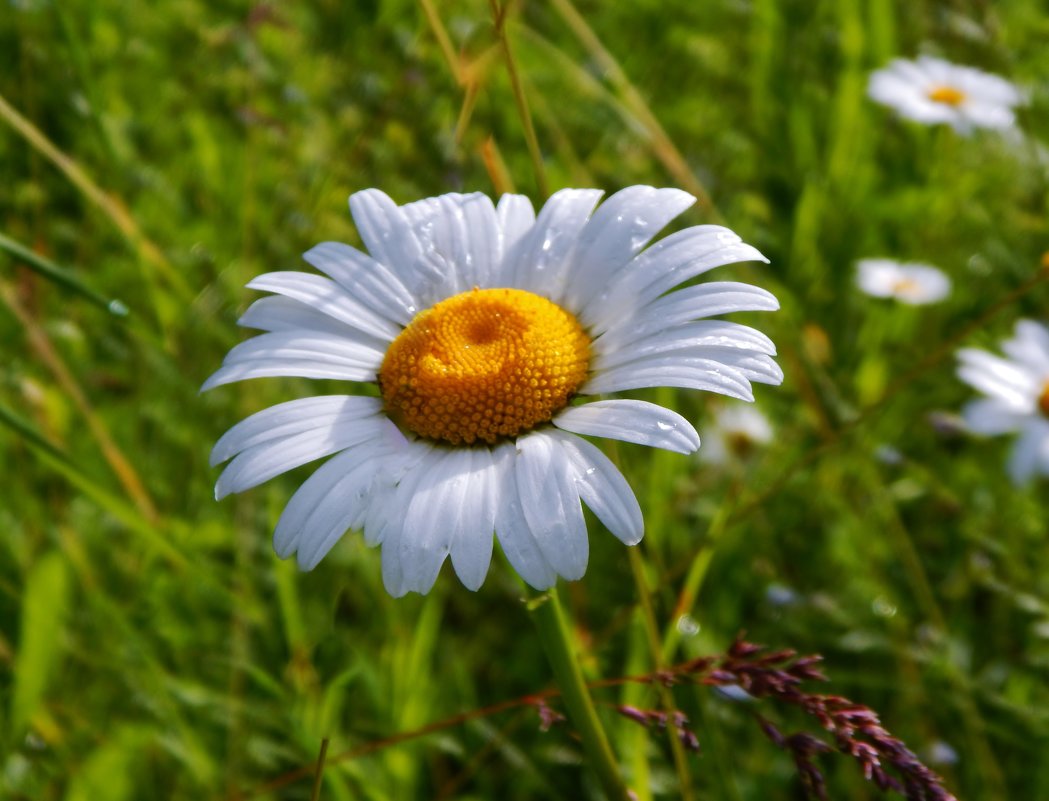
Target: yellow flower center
[
  {"x": 947, "y": 95},
  {"x": 906, "y": 287},
  {"x": 1043, "y": 399},
  {"x": 483, "y": 365}
]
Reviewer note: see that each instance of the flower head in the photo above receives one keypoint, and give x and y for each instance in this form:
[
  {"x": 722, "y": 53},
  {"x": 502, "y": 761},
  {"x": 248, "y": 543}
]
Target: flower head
[
  {"x": 735, "y": 433},
  {"x": 484, "y": 329},
  {"x": 914, "y": 284},
  {"x": 1017, "y": 390},
  {"x": 931, "y": 90}
]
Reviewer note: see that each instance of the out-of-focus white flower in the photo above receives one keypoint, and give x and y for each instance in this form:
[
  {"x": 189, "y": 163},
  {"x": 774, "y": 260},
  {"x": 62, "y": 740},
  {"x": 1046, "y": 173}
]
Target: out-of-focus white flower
[
  {"x": 735, "y": 432},
  {"x": 931, "y": 90},
  {"x": 482, "y": 327},
  {"x": 1017, "y": 390},
  {"x": 915, "y": 284}
]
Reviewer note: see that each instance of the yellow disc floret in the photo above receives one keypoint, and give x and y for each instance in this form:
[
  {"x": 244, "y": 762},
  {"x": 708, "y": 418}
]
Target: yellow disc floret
[
  {"x": 947, "y": 95},
  {"x": 1043, "y": 399},
  {"x": 484, "y": 365}
]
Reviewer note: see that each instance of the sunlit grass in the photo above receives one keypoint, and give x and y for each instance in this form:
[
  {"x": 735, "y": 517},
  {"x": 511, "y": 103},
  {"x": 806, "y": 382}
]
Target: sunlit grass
[{"x": 151, "y": 643}]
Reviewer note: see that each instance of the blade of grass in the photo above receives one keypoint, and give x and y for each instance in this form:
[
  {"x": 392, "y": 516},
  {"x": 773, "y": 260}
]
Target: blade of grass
[
  {"x": 499, "y": 15},
  {"x": 61, "y": 276},
  {"x": 120, "y": 465}
]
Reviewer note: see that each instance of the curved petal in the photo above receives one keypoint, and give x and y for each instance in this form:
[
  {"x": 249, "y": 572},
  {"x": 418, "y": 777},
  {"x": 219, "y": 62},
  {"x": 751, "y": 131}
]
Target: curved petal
[
  {"x": 686, "y": 305},
  {"x": 511, "y": 528},
  {"x": 540, "y": 259},
  {"x": 393, "y": 567},
  {"x": 669, "y": 262},
  {"x": 603, "y": 488},
  {"x": 706, "y": 374},
  {"x": 610, "y": 351},
  {"x": 327, "y": 504},
  {"x": 617, "y": 231},
  {"x": 992, "y": 416},
  {"x": 278, "y": 313},
  {"x": 460, "y": 236},
  {"x": 327, "y": 296},
  {"x": 279, "y": 455},
  {"x": 516, "y": 216},
  {"x": 473, "y": 542},
  {"x": 631, "y": 421},
  {"x": 1030, "y": 452},
  {"x": 302, "y": 353},
  {"x": 367, "y": 280},
  {"x": 390, "y": 240},
  {"x": 292, "y": 417},
  {"x": 551, "y": 506}
]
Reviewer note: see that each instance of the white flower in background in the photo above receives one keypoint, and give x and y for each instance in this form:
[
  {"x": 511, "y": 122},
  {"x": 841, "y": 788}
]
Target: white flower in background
[
  {"x": 1017, "y": 390},
  {"x": 736, "y": 431},
  {"x": 915, "y": 284},
  {"x": 931, "y": 90},
  {"x": 480, "y": 325}
]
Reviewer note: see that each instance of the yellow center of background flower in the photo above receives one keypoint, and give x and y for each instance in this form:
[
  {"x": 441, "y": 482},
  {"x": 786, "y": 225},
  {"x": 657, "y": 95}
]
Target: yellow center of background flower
[
  {"x": 1043, "y": 399},
  {"x": 947, "y": 95},
  {"x": 483, "y": 365}
]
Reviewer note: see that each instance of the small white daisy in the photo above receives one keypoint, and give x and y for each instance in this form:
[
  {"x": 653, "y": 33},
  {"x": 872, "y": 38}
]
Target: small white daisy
[
  {"x": 915, "y": 284},
  {"x": 1017, "y": 390},
  {"x": 480, "y": 325},
  {"x": 735, "y": 432},
  {"x": 931, "y": 90}
]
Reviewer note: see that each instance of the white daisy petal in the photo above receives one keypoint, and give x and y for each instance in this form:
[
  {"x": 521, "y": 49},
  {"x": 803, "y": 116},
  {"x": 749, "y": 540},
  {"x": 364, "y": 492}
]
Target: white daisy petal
[
  {"x": 708, "y": 374},
  {"x": 393, "y": 567},
  {"x": 432, "y": 516},
  {"x": 617, "y": 232},
  {"x": 1028, "y": 451},
  {"x": 327, "y": 504},
  {"x": 278, "y": 313},
  {"x": 391, "y": 241},
  {"x": 327, "y": 296},
  {"x": 610, "y": 350},
  {"x": 631, "y": 421},
  {"x": 471, "y": 548},
  {"x": 550, "y": 500},
  {"x": 996, "y": 377},
  {"x": 539, "y": 260},
  {"x": 511, "y": 527},
  {"x": 292, "y": 417},
  {"x": 662, "y": 267},
  {"x": 603, "y": 488},
  {"x": 303, "y": 353},
  {"x": 516, "y": 216},
  {"x": 366, "y": 279},
  {"x": 262, "y": 462},
  {"x": 992, "y": 416}
]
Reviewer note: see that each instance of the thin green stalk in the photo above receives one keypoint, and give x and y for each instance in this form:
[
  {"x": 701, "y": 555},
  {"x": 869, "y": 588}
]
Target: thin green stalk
[
  {"x": 560, "y": 650},
  {"x": 499, "y": 19},
  {"x": 666, "y": 700},
  {"x": 60, "y": 275}
]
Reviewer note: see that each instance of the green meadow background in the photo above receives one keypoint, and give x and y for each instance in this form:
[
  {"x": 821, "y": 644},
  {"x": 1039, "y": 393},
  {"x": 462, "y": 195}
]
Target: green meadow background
[{"x": 161, "y": 155}]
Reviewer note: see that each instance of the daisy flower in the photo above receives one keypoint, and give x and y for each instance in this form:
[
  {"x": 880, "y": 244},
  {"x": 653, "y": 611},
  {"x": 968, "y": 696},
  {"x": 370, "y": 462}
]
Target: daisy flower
[
  {"x": 914, "y": 284},
  {"x": 487, "y": 331},
  {"x": 1017, "y": 390},
  {"x": 931, "y": 90},
  {"x": 736, "y": 432}
]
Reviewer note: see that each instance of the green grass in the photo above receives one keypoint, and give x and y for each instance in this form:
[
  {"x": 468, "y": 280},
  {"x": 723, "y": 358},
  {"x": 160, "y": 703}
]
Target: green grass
[{"x": 151, "y": 644}]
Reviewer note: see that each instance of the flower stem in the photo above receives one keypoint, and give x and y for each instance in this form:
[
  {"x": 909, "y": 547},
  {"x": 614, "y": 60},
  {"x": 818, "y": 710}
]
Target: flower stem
[{"x": 545, "y": 609}]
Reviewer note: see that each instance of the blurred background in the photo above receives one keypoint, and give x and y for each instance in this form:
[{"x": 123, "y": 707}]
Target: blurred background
[{"x": 161, "y": 155}]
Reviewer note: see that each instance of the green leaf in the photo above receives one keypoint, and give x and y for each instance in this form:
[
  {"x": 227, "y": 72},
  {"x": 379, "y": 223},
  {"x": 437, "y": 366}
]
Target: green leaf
[{"x": 45, "y": 604}]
